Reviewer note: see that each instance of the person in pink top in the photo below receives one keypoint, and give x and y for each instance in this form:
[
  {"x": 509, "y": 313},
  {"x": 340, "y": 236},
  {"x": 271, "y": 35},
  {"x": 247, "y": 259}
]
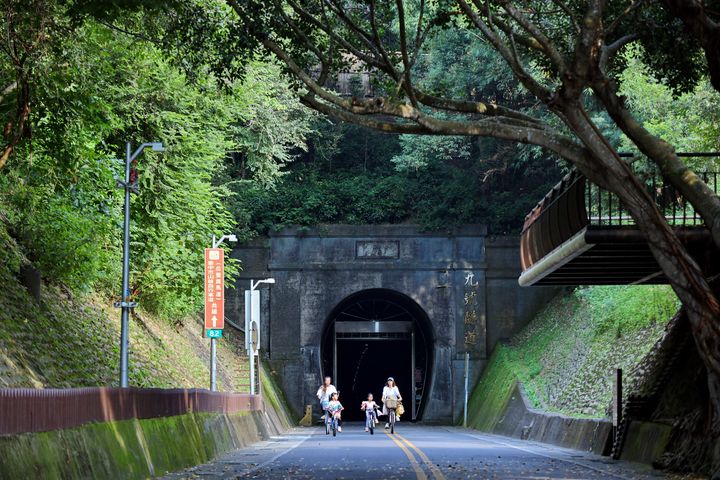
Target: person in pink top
[{"x": 369, "y": 407}]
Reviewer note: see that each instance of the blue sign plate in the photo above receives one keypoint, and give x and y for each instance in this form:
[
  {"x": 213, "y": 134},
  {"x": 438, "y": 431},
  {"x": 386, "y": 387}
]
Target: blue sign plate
[{"x": 214, "y": 333}]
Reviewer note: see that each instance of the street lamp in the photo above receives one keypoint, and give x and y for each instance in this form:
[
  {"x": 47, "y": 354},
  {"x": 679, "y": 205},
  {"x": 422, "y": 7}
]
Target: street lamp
[
  {"x": 129, "y": 185},
  {"x": 254, "y": 285},
  {"x": 213, "y": 347},
  {"x": 252, "y": 324}
]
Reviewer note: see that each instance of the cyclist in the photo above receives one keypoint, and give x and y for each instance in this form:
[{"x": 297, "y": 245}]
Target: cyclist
[
  {"x": 324, "y": 392},
  {"x": 390, "y": 390},
  {"x": 334, "y": 407},
  {"x": 369, "y": 406}
]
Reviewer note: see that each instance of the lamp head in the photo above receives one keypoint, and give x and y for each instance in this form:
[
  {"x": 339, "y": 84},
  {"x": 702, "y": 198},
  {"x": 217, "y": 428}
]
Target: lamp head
[
  {"x": 232, "y": 238},
  {"x": 269, "y": 280},
  {"x": 157, "y": 146}
]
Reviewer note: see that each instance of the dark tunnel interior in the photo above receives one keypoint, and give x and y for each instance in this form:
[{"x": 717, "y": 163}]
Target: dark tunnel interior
[
  {"x": 373, "y": 335},
  {"x": 364, "y": 366}
]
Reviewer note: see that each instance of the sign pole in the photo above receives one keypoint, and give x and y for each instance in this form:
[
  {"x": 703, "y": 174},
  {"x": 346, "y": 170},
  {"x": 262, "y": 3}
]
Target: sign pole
[
  {"x": 129, "y": 185},
  {"x": 213, "y": 353},
  {"x": 467, "y": 376},
  {"x": 214, "y": 302},
  {"x": 125, "y": 277},
  {"x": 213, "y": 365}
]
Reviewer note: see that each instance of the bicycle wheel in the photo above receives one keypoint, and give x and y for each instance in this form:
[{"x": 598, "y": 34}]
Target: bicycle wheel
[
  {"x": 327, "y": 423},
  {"x": 392, "y": 421},
  {"x": 334, "y": 427}
]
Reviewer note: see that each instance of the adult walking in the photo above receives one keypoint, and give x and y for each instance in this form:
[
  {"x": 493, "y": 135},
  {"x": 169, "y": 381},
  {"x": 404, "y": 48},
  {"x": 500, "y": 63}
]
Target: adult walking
[{"x": 391, "y": 395}]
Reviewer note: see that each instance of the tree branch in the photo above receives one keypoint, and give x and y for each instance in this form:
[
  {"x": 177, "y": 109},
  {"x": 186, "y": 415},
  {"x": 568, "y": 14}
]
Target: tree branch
[
  {"x": 407, "y": 80},
  {"x": 700, "y": 26},
  {"x": 525, "y": 78}
]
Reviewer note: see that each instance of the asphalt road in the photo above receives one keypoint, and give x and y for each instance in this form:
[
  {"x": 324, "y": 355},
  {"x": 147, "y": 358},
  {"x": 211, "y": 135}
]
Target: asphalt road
[{"x": 415, "y": 452}]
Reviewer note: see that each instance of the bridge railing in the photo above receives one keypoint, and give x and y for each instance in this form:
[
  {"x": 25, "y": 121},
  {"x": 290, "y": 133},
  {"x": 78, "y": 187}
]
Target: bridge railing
[
  {"x": 24, "y": 410},
  {"x": 604, "y": 208},
  {"x": 575, "y": 203}
]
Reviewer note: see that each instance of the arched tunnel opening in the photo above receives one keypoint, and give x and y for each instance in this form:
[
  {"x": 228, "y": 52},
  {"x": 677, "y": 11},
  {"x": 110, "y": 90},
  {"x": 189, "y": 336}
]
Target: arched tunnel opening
[{"x": 372, "y": 335}]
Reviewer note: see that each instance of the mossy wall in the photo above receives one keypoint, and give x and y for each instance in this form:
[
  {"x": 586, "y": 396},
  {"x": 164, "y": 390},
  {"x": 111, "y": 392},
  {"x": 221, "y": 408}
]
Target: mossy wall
[
  {"x": 552, "y": 381},
  {"x": 133, "y": 449},
  {"x": 129, "y": 449},
  {"x": 489, "y": 399}
]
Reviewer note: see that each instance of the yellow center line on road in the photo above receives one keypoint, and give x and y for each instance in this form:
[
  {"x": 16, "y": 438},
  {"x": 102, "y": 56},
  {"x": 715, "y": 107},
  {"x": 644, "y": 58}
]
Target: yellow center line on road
[
  {"x": 413, "y": 461},
  {"x": 433, "y": 468}
]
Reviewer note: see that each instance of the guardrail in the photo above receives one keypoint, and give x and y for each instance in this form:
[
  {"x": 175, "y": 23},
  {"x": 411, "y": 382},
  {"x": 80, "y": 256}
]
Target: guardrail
[
  {"x": 24, "y": 410},
  {"x": 575, "y": 203}
]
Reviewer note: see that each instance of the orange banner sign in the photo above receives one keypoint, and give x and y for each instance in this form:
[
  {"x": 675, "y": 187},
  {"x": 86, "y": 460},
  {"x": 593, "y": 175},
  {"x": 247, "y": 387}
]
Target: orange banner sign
[{"x": 214, "y": 288}]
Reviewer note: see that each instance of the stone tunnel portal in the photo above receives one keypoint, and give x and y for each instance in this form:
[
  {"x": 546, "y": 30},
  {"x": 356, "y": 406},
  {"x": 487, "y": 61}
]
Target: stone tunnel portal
[{"x": 372, "y": 335}]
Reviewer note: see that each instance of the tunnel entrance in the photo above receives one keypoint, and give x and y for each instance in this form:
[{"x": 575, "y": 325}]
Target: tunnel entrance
[{"x": 373, "y": 335}]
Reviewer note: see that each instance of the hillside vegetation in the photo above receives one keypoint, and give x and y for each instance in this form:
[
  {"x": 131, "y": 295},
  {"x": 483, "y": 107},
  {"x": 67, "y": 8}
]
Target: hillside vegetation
[
  {"x": 565, "y": 357},
  {"x": 68, "y": 339}
]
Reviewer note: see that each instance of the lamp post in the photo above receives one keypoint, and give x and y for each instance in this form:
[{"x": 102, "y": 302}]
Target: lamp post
[
  {"x": 213, "y": 346},
  {"x": 252, "y": 317},
  {"x": 129, "y": 185}
]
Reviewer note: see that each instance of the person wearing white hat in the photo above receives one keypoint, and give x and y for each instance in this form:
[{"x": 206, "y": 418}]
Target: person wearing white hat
[{"x": 390, "y": 390}]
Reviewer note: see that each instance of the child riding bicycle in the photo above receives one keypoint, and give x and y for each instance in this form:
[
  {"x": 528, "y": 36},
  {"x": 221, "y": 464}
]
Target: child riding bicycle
[
  {"x": 334, "y": 407},
  {"x": 369, "y": 407}
]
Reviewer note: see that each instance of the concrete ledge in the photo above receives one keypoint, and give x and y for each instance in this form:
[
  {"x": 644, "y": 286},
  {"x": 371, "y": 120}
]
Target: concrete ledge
[
  {"x": 519, "y": 420},
  {"x": 645, "y": 442},
  {"x": 130, "y": 449},
  {"x": 377, "y": 230}
]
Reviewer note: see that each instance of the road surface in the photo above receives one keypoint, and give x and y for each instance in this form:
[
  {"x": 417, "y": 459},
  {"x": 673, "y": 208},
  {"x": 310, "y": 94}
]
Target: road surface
[{"x": 415, "y": 452}]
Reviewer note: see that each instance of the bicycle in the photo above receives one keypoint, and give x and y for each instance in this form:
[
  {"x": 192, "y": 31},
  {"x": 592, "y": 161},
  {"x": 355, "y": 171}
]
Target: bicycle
[
  {"x": 391, "y": 404},
  {"x": 370, "y": 422},
  {"x": 391, "y": 419},
  {"x": 328, "y": 421},
  {"x": 334, "y": 425}
]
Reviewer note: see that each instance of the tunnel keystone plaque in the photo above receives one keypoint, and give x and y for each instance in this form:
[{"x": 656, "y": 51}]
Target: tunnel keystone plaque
[{"x": 377, "y": 249}]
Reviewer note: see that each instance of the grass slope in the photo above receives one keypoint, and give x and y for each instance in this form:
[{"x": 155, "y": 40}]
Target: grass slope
[
  {"x": 565, "y": 357},
  {"x": 71, "y": 340}
]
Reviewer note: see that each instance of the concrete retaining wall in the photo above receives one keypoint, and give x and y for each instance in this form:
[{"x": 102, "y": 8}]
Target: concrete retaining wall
[
  {"x": 130, "y": 449},
  {"x": 139, "y": 448},
  {"x": 645, "y": 442},
  {"x": 518, "y": 420}
]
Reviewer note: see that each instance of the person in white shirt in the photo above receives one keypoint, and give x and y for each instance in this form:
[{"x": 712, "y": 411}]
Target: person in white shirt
[
  {"x": 324, "y": 392},
  {"x": 390, "y": 390}
]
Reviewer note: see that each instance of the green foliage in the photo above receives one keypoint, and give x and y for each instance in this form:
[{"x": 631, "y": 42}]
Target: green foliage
[
  {"x": 439, "y": 197},
  {"x": 623, "y": 310},
  {"x": 419, "y": 152},
  {"x": 101, "y": 88},
  {"x": 688, "y": 121}
]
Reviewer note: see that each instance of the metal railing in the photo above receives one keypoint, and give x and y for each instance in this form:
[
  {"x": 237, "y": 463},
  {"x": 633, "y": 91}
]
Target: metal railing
[
  {"x": 24, "y": 410},
  {"x": 604, "y": 208},
  {"x": 575, "y": 203}
]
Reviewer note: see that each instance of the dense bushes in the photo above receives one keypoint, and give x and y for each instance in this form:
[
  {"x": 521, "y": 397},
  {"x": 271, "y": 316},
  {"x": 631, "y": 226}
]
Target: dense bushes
[{"x": 101, "y": 88}]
